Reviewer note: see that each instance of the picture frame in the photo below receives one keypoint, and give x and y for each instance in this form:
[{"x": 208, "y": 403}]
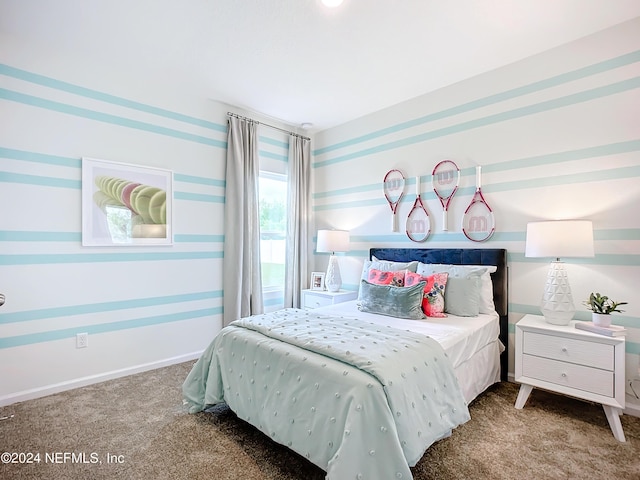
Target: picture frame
[
  {"x": 126, "y": 205},
  {"x": 317, "y": 280}
]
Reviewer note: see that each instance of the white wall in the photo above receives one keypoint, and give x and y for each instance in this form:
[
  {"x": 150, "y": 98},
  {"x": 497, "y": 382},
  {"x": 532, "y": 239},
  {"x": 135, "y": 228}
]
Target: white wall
[
  {"x": 557, "y": 135},
  {"x": 142, "y": 306}
]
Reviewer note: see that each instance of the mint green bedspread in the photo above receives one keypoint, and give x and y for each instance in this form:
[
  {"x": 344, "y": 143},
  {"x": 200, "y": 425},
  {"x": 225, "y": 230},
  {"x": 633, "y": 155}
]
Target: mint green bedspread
[{"x": 356, "y": 399}]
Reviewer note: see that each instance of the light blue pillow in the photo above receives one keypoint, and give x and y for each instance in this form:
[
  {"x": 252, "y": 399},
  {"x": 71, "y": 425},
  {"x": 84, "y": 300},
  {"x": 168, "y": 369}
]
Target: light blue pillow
[
  {"x": 462, "y": 296},
  {"x": 400, "y": 302}
]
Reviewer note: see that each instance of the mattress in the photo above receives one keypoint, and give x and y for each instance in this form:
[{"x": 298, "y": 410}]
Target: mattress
[{"x": 471, "y": 343}]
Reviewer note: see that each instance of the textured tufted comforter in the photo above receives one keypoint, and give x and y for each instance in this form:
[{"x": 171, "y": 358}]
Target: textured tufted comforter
[{"x": 357, "y": 399}]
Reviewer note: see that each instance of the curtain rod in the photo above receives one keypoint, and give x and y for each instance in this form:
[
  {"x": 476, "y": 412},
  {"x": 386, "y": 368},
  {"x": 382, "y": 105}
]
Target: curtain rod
[{"x": 230, "y": 114}]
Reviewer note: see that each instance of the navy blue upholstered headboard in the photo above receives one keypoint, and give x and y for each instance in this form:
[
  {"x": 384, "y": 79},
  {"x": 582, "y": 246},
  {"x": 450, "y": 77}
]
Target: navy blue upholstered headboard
[{"x": 465, "y": 256}]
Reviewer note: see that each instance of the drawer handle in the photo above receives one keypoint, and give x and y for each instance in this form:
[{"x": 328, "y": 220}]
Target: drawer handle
[
  {"x": 564, "y": 374},
  {"x": 564, "y": 349}
]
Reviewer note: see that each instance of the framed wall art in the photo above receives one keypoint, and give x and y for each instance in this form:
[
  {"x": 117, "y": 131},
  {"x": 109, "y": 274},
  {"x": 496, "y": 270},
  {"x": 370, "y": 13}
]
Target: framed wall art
[{"x": 125, "y": 204}]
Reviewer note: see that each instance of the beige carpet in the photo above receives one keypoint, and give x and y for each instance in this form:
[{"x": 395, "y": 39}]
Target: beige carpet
[{"x": 140, "y": 422}]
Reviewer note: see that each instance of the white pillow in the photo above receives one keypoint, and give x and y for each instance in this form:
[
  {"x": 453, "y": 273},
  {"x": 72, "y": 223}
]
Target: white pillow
[
  {"x": 485, "y": 302},
  {"x": 391, "y": 266}
]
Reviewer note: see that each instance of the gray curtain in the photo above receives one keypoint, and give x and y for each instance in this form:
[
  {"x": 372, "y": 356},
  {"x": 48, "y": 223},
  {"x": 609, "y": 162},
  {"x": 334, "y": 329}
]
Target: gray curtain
[
  {"x": 298, "y": 221},
  {"x": 242, "y": 274}
]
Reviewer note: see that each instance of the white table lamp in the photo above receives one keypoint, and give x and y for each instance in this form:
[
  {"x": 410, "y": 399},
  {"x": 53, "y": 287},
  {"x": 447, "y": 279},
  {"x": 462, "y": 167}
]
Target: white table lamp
[
  {"x": 333, "y": 241},
  {"x": 559, "y": 238}
]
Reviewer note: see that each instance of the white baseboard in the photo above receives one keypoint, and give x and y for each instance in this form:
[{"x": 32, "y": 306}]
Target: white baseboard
[{"x": 90, "y": 380}]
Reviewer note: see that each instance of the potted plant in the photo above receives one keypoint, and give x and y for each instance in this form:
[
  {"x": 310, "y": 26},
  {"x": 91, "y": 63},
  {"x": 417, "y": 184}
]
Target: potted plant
[{"x": 602, "y": 307}]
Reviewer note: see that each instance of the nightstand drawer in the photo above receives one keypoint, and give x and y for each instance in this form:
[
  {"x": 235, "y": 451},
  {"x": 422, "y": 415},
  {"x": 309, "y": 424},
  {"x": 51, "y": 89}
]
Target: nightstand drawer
[
  {"x": 580, "y": 352},
  {"x": 583, "y": 378},
  {"x": 315, "y": 301}
]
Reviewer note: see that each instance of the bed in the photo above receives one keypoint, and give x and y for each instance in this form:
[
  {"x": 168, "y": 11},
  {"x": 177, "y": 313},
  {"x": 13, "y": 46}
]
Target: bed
[{"x": 360, "y": 394}]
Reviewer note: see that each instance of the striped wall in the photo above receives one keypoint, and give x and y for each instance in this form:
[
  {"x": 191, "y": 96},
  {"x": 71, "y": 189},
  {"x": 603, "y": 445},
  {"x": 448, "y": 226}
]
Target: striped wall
[
  {"x": 557, "y": 136},
  {"x": 142, "y": 306}
]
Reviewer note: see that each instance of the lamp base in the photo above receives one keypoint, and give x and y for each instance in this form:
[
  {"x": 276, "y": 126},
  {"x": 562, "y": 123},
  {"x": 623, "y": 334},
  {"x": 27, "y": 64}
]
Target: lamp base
[
  {"x": 557, "y": 318},
  {"x": 557, "y": 301},
  {"x": 333, "y": 280}
]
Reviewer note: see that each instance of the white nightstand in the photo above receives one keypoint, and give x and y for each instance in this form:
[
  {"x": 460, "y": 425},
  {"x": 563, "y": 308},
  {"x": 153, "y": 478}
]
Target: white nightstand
[
  {"x": 321, "y": 298},
  {"x": 573, "y": 362}
]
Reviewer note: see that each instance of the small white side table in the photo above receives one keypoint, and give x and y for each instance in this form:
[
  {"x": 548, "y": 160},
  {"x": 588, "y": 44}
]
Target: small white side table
[
  {"x": 321, "y": 298},
  {"x": 572, "y": 362}
]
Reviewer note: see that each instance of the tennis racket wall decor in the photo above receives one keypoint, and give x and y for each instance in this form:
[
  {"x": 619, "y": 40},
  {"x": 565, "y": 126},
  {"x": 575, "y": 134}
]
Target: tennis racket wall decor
[
  {"x": 393, "y": 187},
  {"x": 445, "y": 179},
  {"x": 418, "y": 222},
  {"x": 478, "y": 221}
]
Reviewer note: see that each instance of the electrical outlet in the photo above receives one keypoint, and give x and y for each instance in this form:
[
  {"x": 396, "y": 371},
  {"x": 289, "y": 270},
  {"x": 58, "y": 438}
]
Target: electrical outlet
[{"x": 82, "y": 340}]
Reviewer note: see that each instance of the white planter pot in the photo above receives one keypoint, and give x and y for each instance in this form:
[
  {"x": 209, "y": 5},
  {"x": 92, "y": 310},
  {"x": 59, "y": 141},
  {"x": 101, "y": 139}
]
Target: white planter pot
[{"x": 601, "y": 320}]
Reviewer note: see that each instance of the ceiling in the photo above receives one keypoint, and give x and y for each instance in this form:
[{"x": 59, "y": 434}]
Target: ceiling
[{"x": 297, "y": 61}]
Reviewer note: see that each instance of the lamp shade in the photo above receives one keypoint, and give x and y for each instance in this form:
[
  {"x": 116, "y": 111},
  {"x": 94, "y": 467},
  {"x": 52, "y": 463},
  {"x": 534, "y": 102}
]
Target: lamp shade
[
  {"x": 559, "y": 238},
  {"x": 333, "y": 241}
]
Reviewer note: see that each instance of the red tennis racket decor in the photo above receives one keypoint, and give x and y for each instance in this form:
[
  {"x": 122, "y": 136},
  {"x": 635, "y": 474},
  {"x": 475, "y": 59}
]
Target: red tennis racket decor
[
  {"x": 478, "y": 221},
  {"x": 393, "y": 191},
  {"x": 418, "y": 222},
  {"x": 445, "y": 179}
]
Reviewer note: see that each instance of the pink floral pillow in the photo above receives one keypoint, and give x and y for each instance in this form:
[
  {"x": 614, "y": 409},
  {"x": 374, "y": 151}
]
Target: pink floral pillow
[
  {"x": 380, "y": 277},
  {"x": 433, "y": 297}
]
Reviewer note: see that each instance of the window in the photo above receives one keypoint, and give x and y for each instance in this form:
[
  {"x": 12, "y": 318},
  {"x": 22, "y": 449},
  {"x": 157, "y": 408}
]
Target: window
[{"x": 273, "y": 234}]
